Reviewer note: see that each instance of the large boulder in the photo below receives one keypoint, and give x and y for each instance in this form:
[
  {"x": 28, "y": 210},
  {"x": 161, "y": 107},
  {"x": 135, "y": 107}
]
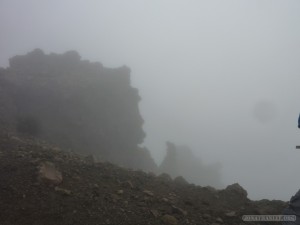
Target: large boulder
[{"x": 237, "y": 190}]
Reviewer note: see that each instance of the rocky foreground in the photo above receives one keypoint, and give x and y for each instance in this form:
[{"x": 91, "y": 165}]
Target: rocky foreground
[{"x": 43, "y": 185}]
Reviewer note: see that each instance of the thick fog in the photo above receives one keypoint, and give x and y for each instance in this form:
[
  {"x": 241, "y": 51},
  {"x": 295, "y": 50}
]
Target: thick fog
[{"x": 221, "y": 77}]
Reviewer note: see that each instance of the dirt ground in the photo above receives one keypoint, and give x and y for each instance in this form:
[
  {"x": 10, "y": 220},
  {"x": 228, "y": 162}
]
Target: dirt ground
[{"x": 43, "y": 185}]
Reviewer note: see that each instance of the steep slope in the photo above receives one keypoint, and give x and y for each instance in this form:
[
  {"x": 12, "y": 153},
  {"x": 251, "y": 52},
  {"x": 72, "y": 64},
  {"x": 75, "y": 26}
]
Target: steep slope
[{"x": 40, "y": 184}]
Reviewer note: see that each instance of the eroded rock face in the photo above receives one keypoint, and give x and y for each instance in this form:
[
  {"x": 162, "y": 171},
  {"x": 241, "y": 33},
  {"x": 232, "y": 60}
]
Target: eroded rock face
[{"x": 75, "y": 104}]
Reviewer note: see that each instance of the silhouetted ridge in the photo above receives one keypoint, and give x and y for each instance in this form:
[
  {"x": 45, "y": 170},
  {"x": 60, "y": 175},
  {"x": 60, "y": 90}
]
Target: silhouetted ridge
[
  {"x": 181, "y": 161},
  {"x": 76, "y": 104}
]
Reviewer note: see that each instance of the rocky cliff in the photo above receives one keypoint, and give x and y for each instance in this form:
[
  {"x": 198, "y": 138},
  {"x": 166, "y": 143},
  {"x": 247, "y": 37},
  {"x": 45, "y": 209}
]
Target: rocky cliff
[
  {"x": 52, "y": 105},
  {"x": 75, "y": 104}
]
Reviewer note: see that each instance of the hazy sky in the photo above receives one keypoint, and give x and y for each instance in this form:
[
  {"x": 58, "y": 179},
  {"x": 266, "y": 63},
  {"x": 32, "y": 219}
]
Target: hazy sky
[{"x": 222, "y": 77}]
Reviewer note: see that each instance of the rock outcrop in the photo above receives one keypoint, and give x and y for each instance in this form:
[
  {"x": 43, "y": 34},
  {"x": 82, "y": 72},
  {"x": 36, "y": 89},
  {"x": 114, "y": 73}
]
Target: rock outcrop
[
  {"x": 180, "y": 161},
  {"x": 75, "y": 104}
]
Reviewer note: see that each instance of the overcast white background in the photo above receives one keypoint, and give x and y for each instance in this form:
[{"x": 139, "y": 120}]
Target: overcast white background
[{"x": 219, "y": 76}]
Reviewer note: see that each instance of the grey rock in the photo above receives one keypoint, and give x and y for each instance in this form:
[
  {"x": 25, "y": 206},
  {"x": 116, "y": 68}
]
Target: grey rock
[
  {"x": 237, "y": 189},
  {"x": 180, "y": 180},
  {"x": 48, "y": 172},
  {"x": 155, "y": 213},
  {"x": 230, "y": 214},
  {"x": 219, "y": 220},
  {"x": 178, "y": 210},
  {"x": 149, "y": 193},
  {"x": 170, "y": 220},
  {"x": 63, "y": 191}
]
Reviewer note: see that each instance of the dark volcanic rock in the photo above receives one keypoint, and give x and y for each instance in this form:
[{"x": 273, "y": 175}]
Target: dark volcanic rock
[
  {"x": 237, "y": 189},
  {"x": 101, "y": 193},
  {"x": 76, "y": 105}
]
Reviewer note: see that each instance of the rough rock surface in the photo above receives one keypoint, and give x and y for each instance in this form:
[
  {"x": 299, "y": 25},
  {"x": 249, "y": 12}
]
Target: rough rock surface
[
  {"x": 74, "y": 104},
  {"x": 48, "y": 172},
  {"x": 93, "y": 193}
]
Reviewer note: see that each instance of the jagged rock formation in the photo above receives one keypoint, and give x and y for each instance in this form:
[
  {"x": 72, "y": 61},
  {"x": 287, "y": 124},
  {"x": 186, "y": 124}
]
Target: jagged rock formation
[
  {"x": 75, "y": 104},
  {"x": 180, "y": 161},
  {"x": 55, "y": 100}
]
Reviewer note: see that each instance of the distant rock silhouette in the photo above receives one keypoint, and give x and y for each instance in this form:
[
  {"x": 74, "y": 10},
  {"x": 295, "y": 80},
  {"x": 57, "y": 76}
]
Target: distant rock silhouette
[
  {"x": 180, "y": 161},
  {"x": 75, "y": 104}
]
